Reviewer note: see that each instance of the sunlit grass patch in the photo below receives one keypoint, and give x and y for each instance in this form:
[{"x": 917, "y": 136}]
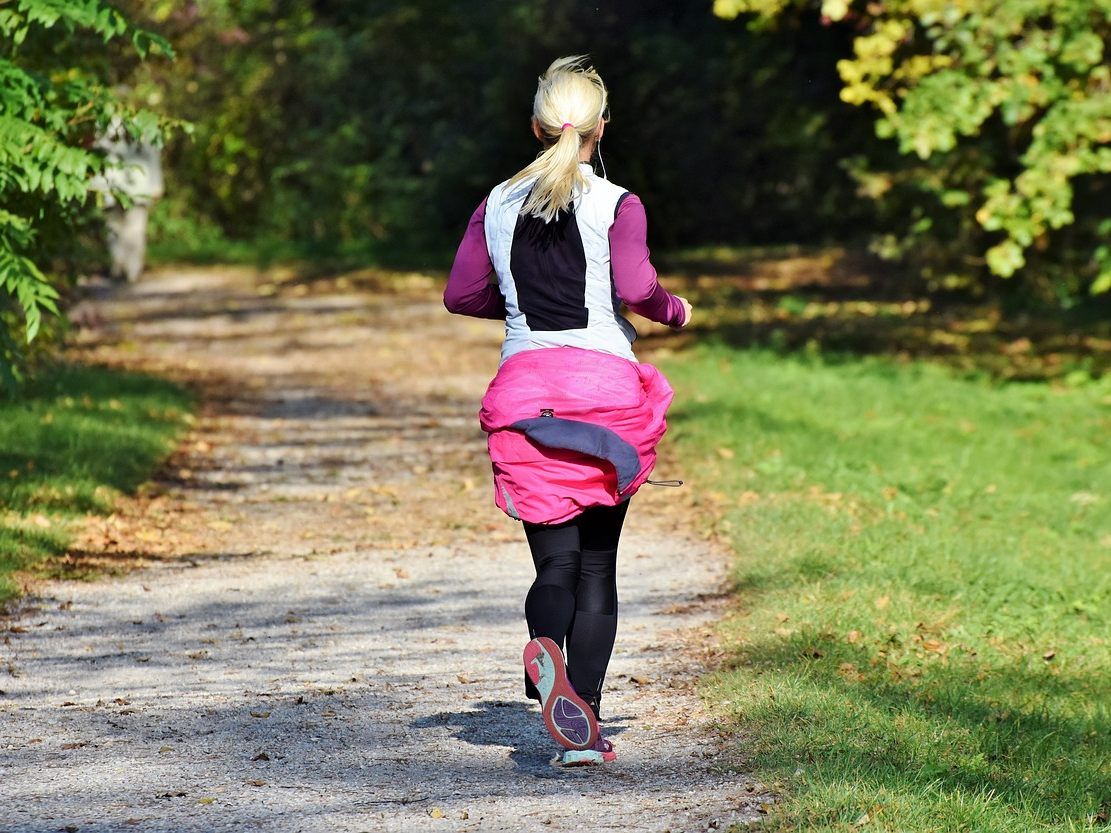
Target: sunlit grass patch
[
  {"x": 924, "y": 593},
  {"x": 72, "y": 441}
]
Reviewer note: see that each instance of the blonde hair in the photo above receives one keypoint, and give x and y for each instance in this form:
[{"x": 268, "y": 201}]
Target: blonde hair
[{"x": 569, "y": 93}]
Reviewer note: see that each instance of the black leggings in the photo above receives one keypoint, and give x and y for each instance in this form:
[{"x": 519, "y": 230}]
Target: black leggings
[{"x": 574, "y": 597}]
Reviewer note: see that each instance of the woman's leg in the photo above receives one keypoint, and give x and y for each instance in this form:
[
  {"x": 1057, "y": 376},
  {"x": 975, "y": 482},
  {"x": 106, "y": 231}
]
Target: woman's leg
[
  {"x": 550, "y": 603},
  {"x": 592, "y": 631}
]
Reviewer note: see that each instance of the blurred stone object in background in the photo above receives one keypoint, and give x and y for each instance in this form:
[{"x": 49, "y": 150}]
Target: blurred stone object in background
[{"x": 134, "y": 173}]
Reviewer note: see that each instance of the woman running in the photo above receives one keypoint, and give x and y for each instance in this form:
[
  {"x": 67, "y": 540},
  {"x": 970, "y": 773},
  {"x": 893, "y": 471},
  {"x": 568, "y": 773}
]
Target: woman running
[{"x": 572, "y": 418}]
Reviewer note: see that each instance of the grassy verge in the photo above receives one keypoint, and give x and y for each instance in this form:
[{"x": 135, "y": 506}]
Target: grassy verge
[
  {"x": 924, "y": 596},
  {"x": 74, "y": 440}
]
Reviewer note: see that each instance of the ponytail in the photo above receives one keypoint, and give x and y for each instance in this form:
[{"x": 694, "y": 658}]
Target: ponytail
[{"x": 567, "y": 109}]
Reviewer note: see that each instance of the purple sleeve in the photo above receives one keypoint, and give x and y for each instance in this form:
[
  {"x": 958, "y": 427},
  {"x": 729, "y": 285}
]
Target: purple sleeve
[
  {"x": 633, "y": 274},
  {"x": 468, "y": 290}
]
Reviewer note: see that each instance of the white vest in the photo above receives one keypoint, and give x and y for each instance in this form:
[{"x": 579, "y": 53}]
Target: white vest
[{"x": 562, "y": 294}]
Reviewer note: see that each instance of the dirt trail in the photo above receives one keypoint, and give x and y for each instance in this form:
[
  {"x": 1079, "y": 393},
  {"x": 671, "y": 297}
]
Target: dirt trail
[{"x": 327, "y": 634}]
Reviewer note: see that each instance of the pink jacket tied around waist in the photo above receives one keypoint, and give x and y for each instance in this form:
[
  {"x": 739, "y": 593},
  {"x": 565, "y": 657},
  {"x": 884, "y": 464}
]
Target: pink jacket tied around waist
[{"x": 571, "y": 428}]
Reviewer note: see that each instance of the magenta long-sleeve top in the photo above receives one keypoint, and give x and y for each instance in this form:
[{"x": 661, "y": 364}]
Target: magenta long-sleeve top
[{"x": 469, "y": 291}]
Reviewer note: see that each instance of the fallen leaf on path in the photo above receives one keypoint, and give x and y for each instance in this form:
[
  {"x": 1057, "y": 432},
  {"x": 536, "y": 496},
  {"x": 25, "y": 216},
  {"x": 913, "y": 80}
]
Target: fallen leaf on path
[
  {"x": 206, "y": 800},
  {"x": 261, "y": 756},
  {"x": 436, "y": 813},
  {"x": 262, "y": 715},
  {"x": 255, "y": 782}
]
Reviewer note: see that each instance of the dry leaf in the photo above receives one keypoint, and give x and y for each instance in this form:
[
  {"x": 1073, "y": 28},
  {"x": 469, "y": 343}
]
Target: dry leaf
[
  {"x": 262, "y": 715},
  {"x": 726, "y": 453},
  {"x": 1048, "y": 655},
  {"x": 852, "y": 637},
  {"x": 255, "y": 782},
  {"x": 206, "y": 800},
  {"x": 436, "y": 813}
]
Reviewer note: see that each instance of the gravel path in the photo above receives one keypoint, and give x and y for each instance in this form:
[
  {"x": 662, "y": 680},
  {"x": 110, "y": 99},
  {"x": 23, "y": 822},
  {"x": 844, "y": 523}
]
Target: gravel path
[{"x": 325, "y": 631}]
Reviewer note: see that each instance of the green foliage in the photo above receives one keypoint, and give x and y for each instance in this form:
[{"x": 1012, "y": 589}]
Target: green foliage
[
  {"x": 920, "y": 640},
  {"x": 1009, "y": 104},
  {"x": 71, "y": 441},
  {"x": 51, "y": 107},
  {"x": 380, "y": 126}
]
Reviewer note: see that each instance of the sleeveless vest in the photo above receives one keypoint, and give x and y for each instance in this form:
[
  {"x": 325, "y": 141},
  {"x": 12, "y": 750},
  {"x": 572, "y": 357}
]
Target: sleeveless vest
[{"x": 556, "y": 276}]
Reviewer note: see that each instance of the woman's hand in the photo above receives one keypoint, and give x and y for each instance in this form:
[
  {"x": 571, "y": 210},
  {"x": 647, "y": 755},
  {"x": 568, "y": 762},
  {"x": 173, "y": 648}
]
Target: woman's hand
[{"x": 687, "y": 312}]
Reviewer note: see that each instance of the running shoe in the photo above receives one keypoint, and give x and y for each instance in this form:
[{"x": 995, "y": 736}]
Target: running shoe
[
  {"x": 601, "y": 753},
  {"x": 568, "y": 718}
]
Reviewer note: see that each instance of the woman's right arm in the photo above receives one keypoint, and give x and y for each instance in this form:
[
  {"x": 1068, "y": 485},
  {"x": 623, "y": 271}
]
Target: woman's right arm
[{"x": 468, "y": 290}]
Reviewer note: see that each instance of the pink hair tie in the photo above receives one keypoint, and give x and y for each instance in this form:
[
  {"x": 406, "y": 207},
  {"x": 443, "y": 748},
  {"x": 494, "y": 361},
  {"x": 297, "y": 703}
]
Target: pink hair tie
[{"x": 566, "y": 124}]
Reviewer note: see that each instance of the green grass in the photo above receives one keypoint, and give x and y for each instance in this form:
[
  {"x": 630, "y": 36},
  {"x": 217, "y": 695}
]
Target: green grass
[
  {"x": 922, "y": 639},
  {"x": 70, "y": 444}
]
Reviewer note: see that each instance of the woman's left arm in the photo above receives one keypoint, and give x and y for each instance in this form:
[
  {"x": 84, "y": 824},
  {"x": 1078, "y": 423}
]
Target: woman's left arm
[
  {"x": 634, "y": 277},
  {"x": 468, "y": 290}
]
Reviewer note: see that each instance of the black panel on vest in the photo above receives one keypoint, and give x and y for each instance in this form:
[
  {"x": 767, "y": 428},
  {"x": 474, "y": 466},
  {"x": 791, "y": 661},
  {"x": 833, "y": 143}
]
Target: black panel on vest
[{"x": 549, "y": 270}]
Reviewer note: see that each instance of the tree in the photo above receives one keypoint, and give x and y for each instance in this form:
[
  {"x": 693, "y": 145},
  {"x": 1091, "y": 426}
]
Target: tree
[
  {"x": 51, "y": 108},
  {"x": 374, "y": 128},
  {"x": 1007, "y": 105}
]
